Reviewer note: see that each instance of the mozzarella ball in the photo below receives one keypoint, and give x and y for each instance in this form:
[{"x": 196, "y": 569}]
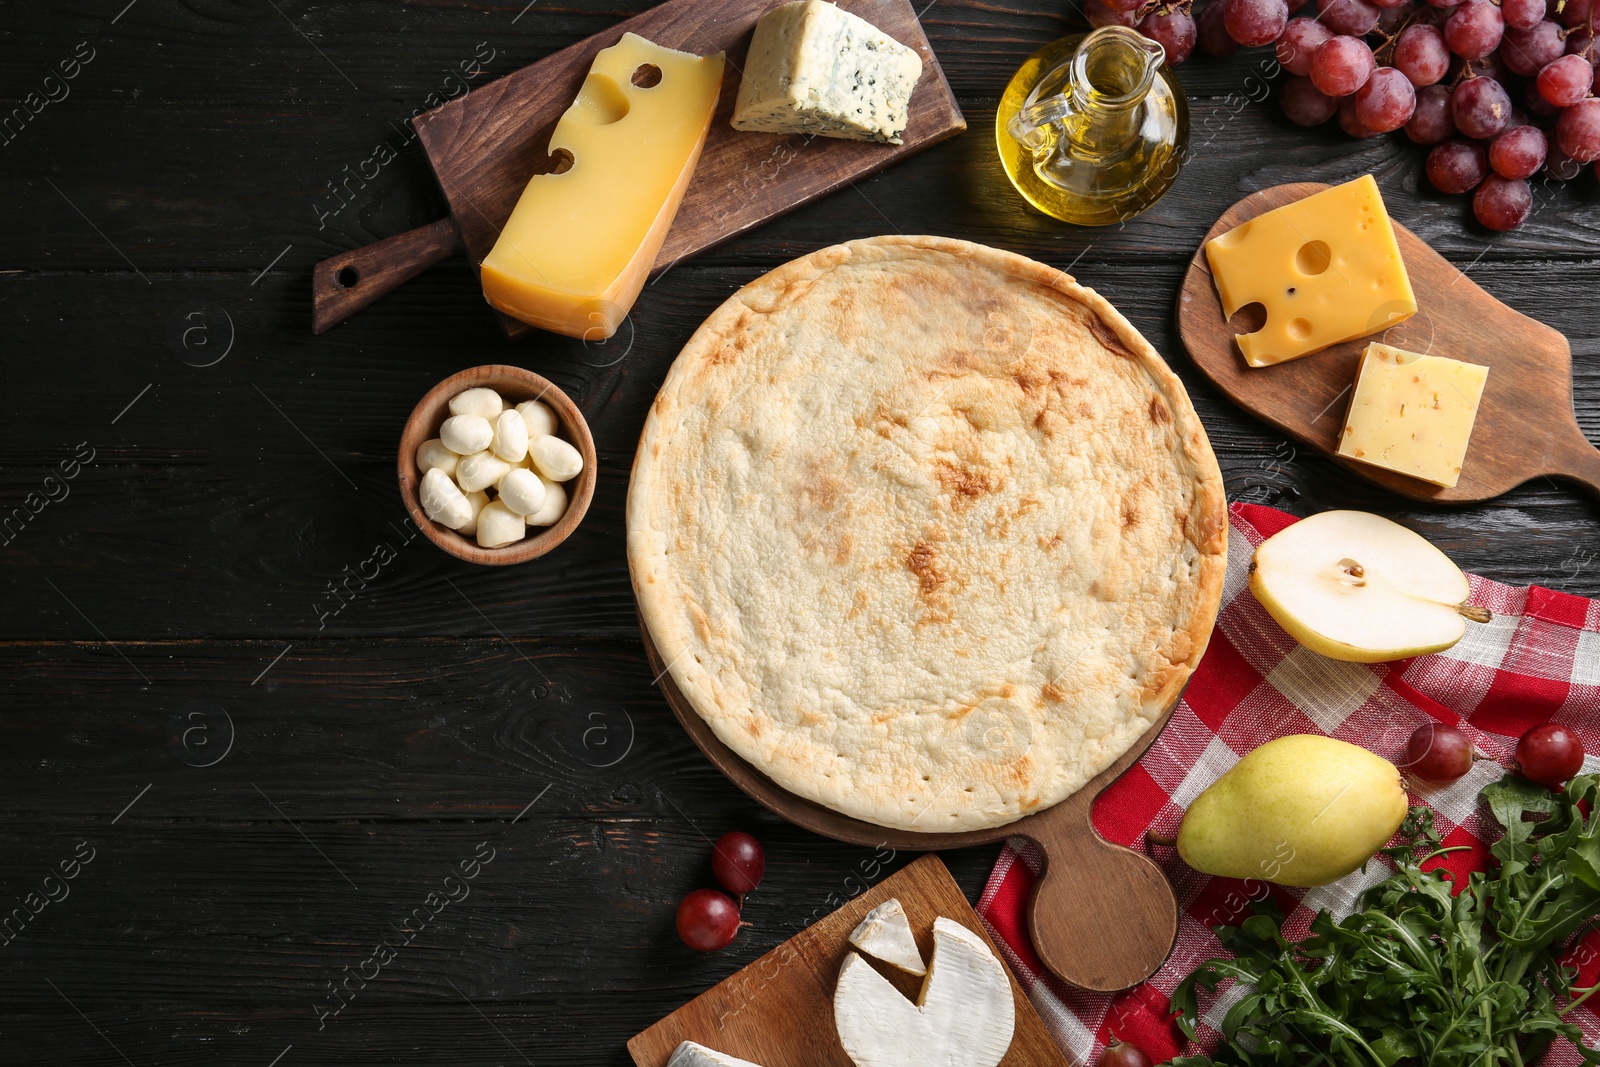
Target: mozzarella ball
[
  {"x": 555, "y": 459},
  {"x": 540, "y": 420},
  {"x": 432, "y": 455},
  {"x": 555, "y": 505},
  {"x": 522, "y": 491},
  {"x": 466, "y": 434},
  {"x": 510, "y": 437},
  {"x": 484, "y": 403},
  {"x": 444, "y": 503},
  {"x": 479, "y": 471},
  {"x": 476, "y": 502},
  {"x": 499, "y": 525}
]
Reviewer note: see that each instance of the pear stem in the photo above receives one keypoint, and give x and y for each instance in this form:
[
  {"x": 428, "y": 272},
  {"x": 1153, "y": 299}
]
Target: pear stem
[
  {"x": 1157, "y": 838},
  {"x": 1475, "y": 613}
]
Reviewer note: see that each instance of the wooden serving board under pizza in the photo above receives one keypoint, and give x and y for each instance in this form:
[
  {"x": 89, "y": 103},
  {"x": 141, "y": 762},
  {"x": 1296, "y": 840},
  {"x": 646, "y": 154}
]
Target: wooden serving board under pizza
[
  {"x": 485, "y": 146},
  {"x": 778, "y": 1011},
  {"x": 1525, "y": 427}
]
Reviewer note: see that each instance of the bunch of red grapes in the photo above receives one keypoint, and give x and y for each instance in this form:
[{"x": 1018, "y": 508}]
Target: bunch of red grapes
[{"x": 1501, "y": 90}]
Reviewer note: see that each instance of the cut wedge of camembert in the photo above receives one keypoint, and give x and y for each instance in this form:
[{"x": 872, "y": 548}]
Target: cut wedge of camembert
[
  {"x": 964, "y": 1017},
  {"x": 690, "y": 1054},
  {"x": 813, "y": 68},
  {"x": 885, "y": 934}
]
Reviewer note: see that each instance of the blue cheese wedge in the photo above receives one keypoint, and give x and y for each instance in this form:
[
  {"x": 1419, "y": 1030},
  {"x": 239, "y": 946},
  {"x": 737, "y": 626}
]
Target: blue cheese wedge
[{"x": 815, "y": 69}]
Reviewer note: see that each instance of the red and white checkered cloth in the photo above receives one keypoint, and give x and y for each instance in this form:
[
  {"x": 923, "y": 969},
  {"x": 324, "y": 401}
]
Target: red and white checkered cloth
[{"x": 1539, "y": 659}]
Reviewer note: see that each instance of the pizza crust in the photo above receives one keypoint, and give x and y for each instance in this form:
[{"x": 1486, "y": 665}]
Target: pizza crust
[{"x": 925, "y": 531}]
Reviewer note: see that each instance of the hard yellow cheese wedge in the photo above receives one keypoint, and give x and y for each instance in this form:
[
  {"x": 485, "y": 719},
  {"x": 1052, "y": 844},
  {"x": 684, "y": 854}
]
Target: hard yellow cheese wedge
[
  {"x": 1413, "y": 413},
  {"x": 579, "y": 243},
  {"x": 1326, "y": 268}
]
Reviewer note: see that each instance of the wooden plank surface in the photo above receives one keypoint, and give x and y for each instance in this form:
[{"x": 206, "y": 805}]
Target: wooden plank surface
[
  {"x": 201, "y": 159},
  {"x": 778, "y": 1011}
]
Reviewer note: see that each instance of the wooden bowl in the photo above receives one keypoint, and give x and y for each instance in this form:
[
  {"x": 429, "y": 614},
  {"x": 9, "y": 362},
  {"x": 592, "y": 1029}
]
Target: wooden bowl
[{"x": 515, "y": 385}]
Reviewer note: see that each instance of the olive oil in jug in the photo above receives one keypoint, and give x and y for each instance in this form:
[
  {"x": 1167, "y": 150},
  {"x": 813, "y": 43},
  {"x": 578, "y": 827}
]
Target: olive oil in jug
[{"x": 1093, "y": 128}]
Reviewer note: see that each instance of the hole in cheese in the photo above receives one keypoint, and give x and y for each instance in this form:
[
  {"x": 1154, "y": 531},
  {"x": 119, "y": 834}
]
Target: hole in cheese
[
  {"x": 1249, "y": 318},
  {"x": 1313, "y": 257},
  {"x": 600, "y": 102},
  {"x": 647, "y": 76},
  {"x": 1300, "y": 329},
  {"x": 558, "y": 162}
]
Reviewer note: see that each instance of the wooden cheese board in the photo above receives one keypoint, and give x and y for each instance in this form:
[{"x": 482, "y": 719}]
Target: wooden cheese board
[
  {"x": 484, "y": 147},
  {"x": 1103, "y": 917},
  {"x": 1525, "y": 428},
  {"x": 778, "y": 1011}
]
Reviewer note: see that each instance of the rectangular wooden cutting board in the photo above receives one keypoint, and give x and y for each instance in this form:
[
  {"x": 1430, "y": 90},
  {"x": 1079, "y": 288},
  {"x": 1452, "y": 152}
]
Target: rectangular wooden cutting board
[
  {"x": 484, "y": 146},
  {"x": 778, "y": 1011}
]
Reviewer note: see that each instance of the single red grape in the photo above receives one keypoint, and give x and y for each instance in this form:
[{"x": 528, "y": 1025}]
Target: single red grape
[
  {"x": 1342, "y": 65},
  {"x": 1519, "y": 152},
  {"x": 1444, "y": 5},
  {"x": 1549, "y": 754},
  {"x": 1393, "y": 5},
  {"x": 1099, "y": 13},
  {"x": 1122, "y": 1054},
  {"x": 1431, "y": 122},
  {"x": 1457, "y": 165},
  {"x": 738, "y": 862},
  {"x": 1566, "y": 81},
  {"x": 1420, "y": 54},
  {"x": 1481, "y": 107},
  {"x": 1502, "y": 204},
  {"x": 1387, "y": 101},
  {"x": 1527, "y": 52},
  {"x": 1474, "y": 29},
  {"x": 1522, "y": 14},
  {"x": 1300, "y": 41},
  {"x": 1211, "y": 33},
  {"x": 1578, "y": 130},
  {"x": 1353, "y": 17},
  {"x": 1255, "y": 22},
  {"x": 1305, "y": 104},
  {"x": 1173, "y": 30},
  {"x": 708, "y": 919},
  {"x": 1438, "y": 753}
]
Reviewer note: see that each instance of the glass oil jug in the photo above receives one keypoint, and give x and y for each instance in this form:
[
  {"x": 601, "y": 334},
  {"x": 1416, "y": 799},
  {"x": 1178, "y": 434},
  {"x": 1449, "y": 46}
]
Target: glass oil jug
[{"x": 1093, "y": 128}]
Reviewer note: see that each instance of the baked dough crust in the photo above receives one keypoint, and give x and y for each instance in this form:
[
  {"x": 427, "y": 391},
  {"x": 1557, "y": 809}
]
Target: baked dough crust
[{"x": 925, "y": 531}]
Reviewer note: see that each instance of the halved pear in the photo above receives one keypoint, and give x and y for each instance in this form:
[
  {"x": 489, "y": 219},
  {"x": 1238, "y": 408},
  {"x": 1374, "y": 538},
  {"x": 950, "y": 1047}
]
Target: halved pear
[{"x": 1358, "y": 587}]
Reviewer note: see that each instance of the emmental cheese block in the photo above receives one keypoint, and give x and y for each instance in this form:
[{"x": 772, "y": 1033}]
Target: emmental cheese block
[
  {"x": 1326, "y": 268},
  {"x": 815, "y": 69},
  {"x": 1413, "y": 413},
  {"x": 576, "y": 250}
]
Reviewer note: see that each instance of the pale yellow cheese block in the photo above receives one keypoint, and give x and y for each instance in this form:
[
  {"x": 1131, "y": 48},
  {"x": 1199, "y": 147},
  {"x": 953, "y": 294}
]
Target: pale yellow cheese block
[
  {"x": 1413, "y": 413},
  {"x": 1326, "y": 268},
  {"x": 579, "y": 244}
]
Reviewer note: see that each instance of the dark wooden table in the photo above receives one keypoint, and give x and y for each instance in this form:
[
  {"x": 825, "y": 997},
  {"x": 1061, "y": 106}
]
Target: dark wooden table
[{"x": 276, "y": 719}]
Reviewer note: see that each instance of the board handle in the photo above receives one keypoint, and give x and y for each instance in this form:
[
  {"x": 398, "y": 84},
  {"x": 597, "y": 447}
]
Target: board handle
[
  {"x": 1580, "y": 463},
  {"x": 1103, "y": 917},
  {"x": 344, "y": 284}
]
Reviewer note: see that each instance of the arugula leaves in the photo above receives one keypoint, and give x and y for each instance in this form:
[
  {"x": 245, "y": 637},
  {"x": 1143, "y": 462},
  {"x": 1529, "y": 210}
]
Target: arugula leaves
[{"x": 1418, "y": 974}]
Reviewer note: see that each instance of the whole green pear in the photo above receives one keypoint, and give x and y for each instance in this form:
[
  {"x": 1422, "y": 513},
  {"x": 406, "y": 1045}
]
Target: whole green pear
[{"x": 1301, "y": 810}]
